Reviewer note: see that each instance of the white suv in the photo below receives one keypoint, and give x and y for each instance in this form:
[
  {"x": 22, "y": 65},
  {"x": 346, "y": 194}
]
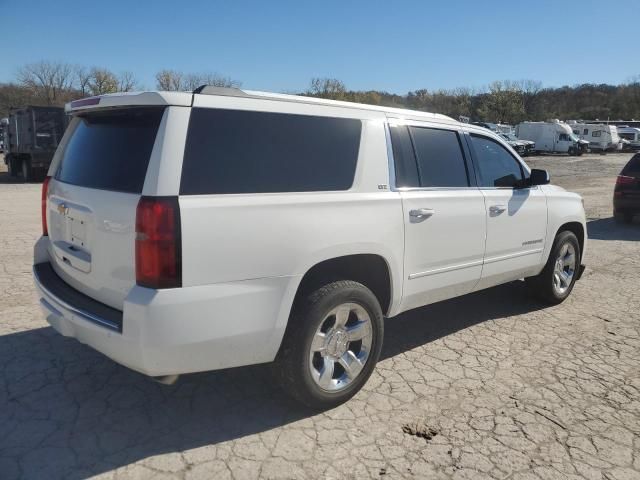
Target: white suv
[{"x": 185, "y": 232}]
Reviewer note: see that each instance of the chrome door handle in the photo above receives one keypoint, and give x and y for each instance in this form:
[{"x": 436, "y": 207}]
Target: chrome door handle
[
  {"x": 497, "y": 209},
  {"x": 421, "y": 213}
]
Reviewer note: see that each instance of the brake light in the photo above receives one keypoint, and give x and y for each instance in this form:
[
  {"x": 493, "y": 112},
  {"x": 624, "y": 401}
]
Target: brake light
[
  {"x": 158, "y": 243},
  {"x": 624, "y": 180},
  {"x": 43, "y": 206}
]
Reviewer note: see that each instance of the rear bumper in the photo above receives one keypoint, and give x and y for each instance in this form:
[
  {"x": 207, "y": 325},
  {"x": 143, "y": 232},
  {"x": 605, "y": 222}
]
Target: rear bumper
[{"x": 177, "y": 331}]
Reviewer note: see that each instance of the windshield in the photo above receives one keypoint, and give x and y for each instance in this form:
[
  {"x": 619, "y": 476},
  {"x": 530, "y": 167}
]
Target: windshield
[{"x": 573, "y": 137}]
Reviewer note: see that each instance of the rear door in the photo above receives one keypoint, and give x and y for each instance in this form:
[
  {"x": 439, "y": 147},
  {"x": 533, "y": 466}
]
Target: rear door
[
  {"x": 516, "y": 217},
  {"x": 443, "y": 213},
  {"x": 91, "y": 205}
]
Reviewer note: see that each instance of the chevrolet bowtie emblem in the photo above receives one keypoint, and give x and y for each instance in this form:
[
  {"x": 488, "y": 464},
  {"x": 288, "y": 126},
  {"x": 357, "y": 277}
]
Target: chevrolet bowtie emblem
[{"x": 63, "y": 209}]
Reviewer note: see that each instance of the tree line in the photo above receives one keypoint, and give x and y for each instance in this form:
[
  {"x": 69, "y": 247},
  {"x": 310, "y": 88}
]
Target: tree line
[{"x": 55, "y": 83}]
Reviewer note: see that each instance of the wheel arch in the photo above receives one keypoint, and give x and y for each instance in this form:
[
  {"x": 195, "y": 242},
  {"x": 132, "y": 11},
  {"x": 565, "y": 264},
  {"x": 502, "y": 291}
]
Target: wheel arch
[
  {"x": 577, "y": 229},
  {"x": 371, "y": 270}
]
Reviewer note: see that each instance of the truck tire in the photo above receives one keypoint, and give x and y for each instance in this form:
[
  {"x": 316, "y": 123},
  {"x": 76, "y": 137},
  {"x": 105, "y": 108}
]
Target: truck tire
[
  {"x": 13, "y": 165},
  {"x": 332, "y": 344},
  {"x": 27, "y": 172},
  {"x": 554, "y": 284}
]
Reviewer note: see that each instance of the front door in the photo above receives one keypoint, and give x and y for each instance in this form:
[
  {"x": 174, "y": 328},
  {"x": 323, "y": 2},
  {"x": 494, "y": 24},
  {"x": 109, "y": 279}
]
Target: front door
[{"x": 516, "y": 217}]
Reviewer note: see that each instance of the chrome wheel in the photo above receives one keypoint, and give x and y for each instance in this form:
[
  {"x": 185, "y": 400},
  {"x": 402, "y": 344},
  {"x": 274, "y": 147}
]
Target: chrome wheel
[
  {"x": 340, "y": 347},
  {"x": 564, "y": 268}
]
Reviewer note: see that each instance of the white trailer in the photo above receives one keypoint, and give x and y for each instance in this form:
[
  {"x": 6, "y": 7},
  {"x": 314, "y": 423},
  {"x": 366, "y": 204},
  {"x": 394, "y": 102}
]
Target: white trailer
[
  {"x": 601, "y": 137},
  {"x": 551, "y": 137},
  {"x": 631, "y": 134}
]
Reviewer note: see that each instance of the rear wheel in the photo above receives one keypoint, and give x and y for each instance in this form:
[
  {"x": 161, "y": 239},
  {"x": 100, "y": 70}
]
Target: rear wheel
[
  {"x": 332, "y": 344},
  {"x": 14, "y": 166},
  {"x": 623, "y": 217},
  {"x": 554, "y": 284}
]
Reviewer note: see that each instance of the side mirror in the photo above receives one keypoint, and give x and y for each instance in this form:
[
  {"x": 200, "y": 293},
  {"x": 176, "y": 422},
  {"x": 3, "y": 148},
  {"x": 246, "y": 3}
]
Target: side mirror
[{"x": 539, "y": 177}]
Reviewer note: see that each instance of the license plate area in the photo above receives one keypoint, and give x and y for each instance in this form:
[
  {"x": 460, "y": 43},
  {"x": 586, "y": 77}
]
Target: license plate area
[{"x": 71, "y": 236}]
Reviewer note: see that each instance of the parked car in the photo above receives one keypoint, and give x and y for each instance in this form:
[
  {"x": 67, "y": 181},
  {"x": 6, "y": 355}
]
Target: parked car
[
  {"x": 527, "y": 147},
  {"x": 246, "y": 227},
  {"x": 626, "y": 194},
  {"x": 33, "y": 136},
  {"x": 552, "y": 137},
  {"x": 603, "y": 138}
]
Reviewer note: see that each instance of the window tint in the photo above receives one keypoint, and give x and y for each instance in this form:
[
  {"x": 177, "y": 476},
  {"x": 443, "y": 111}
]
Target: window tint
[
  {"x": 633, "y": 166},
  {"x": 563, "y": 137},
  {"x": 496, "y": 166},
  {"x": 111, "y": 150},
  {"x": 233, "y": 151},
  {"x": 596, "y": 133},
  {"x": 403, "y": 157},
  {"x": 440, "y": 159}
]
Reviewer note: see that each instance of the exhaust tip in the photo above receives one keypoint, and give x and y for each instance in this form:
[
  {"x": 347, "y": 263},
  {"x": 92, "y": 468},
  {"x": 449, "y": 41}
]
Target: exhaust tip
[{"x": 166, "y": 379}]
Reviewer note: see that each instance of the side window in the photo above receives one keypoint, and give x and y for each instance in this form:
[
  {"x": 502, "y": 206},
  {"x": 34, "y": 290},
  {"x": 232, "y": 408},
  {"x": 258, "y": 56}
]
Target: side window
[
  {"x": 586, "y": 131},
  {"x": 403, "y": 157},
  {"x": 596, "y": 133},
  {"x": 496, "y": 166},
  {"x": 563, "y": 137},
  {"x": 234, "y": 151},
  {"x": 439, "y": 156}
]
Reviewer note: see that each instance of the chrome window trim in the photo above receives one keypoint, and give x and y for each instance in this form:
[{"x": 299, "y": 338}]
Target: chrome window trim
[{"x": 390, "y": 160}]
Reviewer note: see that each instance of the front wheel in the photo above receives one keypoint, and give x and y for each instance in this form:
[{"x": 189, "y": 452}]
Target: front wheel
[
  {"x": 554, "y": 284},
  {"x": 332, "y": 344}
]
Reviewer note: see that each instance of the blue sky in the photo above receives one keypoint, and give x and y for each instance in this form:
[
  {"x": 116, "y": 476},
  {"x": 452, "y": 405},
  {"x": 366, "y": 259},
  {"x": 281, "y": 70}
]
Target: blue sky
[{"x": 279, "y": 46}]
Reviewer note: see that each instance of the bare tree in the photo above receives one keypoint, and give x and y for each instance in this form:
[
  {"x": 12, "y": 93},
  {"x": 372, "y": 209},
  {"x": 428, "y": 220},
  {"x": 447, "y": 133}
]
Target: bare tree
[
  {"x": 127, "y": 82},
  {"x": 172, "y": 80},
  {"x": 327, "y": 88},
  {"x": 82, "y": 79},
  {"x": 49, "y": 79},
  {"x": 102, "y": 81},
  {"x": 169, "y": 80},
  {"x": 195, "y": 80}
]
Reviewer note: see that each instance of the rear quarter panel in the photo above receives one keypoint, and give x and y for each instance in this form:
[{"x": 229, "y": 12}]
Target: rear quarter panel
[{"x": 236, "y": 237}]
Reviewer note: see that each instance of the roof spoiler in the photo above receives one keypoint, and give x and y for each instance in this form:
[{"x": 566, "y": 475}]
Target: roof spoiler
[{"x": 223, "y": 91}]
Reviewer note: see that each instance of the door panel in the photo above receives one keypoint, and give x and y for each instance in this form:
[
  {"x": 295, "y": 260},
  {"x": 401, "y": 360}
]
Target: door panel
[
  {"x": 444, "y": 244},
  {"x": 515, "y": 236}
]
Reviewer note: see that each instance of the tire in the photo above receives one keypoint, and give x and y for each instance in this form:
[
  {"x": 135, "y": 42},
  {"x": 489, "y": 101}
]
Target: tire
[
  {"x": 571, "y": 151},
  {"x": 624, "y": 217},
  {"x": 315, "y": 340},
  {"x": 13, "y": 166},
  {"x": 27, "y": 172},
  {"x": 545, "y": 286}
]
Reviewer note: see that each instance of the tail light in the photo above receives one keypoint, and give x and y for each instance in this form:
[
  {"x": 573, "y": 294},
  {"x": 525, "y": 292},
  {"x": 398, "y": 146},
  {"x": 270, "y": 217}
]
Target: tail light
[
  {"x": 158, "y": 243},
  {"x": 43, "y": 206},
  {"x": 624, "y": 180}
]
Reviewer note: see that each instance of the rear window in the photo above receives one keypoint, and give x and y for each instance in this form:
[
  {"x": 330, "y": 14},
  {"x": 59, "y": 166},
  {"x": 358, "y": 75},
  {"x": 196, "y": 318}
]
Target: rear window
[
  {"x": 111, "y": 150},
  {"x": 633, "y": 166},
  {"x": 234, "y": 151}
]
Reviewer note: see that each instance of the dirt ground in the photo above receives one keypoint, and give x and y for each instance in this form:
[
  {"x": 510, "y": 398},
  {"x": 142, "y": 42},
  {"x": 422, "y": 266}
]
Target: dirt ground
[{"x": 491, "y": 385}]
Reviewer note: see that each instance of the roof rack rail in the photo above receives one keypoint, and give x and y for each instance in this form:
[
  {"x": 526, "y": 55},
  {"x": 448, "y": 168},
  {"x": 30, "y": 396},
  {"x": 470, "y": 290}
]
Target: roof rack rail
[{"x": 224, "y": 91}]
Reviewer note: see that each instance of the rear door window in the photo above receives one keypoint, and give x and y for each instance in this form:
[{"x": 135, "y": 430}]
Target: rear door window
[
  {"x": 440, "y": 159},
  {"x": 235, "y": 151},
  {"x": 111, "y": 150}
]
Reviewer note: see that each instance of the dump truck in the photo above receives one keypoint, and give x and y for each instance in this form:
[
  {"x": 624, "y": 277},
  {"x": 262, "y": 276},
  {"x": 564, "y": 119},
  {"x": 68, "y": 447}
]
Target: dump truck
[{"x": 33, "y": 136}]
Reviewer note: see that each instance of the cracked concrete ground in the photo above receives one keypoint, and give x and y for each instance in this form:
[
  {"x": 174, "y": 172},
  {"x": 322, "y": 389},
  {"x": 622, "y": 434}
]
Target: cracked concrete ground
[{"x": 492, "y": 385}]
